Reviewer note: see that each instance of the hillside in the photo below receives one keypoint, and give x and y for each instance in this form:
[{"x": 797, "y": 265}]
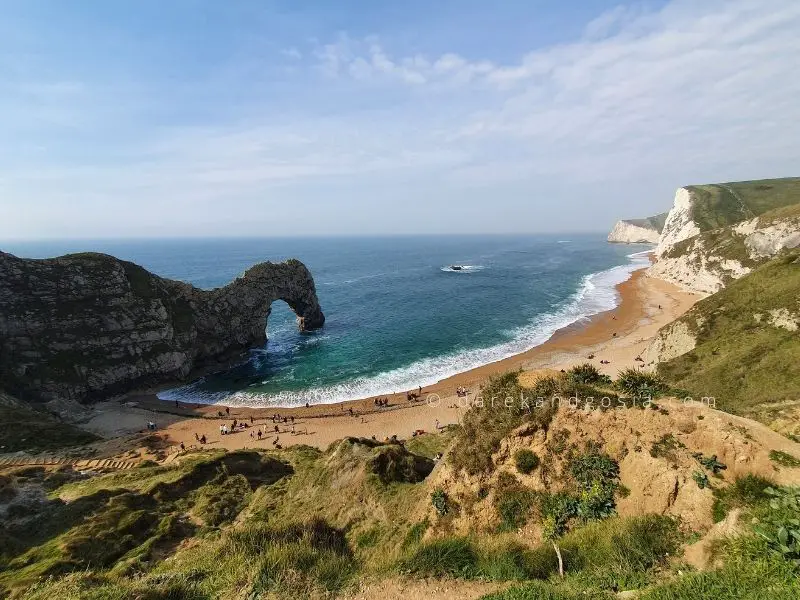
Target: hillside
[
  {"x": 741, "y": 345},
  {"x": 638, "y": 231},
  {"x": 625, "y": 505}
]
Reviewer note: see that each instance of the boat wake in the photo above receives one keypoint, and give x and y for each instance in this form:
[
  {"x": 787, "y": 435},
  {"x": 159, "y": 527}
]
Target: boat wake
[{"x": 462, "y": 268}]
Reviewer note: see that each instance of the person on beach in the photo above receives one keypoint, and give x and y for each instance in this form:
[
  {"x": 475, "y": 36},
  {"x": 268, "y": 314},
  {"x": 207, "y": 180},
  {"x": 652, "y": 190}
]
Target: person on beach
[
  {"x": 227, "y": 411},
  {"x": 203, "y": 439},
  {"x": 251, "y": 420},
  {"x": 276, "y": 429},
  {"x": 196, "y": 437},
  {"x": 183, "y": 447},
  {"x": 259, "y": 434}
]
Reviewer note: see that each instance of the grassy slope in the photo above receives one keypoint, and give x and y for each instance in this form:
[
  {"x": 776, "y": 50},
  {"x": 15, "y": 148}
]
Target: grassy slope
[
  {"x": 739, "y": 361},
  {"x": 656, "y": 222},
  {"x": 34, "y": 431},
  {"x": 721, "y": 204}
]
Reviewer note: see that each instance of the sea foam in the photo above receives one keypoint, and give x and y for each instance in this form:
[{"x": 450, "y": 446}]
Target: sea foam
[{"x": 597, "y": 293}]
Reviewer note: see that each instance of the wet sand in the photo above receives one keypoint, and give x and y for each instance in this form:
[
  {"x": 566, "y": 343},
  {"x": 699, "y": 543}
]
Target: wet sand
[{"x": 647, "y": 304}]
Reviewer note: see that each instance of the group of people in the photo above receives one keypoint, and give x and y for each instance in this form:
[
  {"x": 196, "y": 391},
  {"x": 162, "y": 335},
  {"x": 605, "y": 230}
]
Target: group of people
[
  {"x": 381, "y": 402},
  {"x": 462, "y": 392}
]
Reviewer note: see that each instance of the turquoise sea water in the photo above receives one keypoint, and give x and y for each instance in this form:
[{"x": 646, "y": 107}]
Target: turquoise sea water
[{"x": 397, "y": 316}]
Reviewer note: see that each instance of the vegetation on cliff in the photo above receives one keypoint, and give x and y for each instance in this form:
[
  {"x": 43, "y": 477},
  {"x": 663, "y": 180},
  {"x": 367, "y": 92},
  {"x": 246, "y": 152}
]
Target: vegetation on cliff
[{"x": 747, "y": 344}]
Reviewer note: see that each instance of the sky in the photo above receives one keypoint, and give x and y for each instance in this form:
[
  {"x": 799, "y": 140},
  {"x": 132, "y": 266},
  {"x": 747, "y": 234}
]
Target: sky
[{"x": 356, "y": 117}]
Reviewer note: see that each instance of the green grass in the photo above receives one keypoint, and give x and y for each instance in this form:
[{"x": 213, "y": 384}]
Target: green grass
[
  {"x": 740, "y": 361},
  {"x": 784, "y": 459},
  {"x": 34, "y": 431},
  {"x": 719, "y": 205},
  {"x": 615, "y": 552},
  {"x": 745, "y": 492}
]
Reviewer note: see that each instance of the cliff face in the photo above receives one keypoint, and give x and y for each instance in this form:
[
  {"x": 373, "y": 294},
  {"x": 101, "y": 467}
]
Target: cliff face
[
  {"x": 638, "y": 231},
  {"x": 721, "y": 232},
  {"x": 88, "y": 326}
]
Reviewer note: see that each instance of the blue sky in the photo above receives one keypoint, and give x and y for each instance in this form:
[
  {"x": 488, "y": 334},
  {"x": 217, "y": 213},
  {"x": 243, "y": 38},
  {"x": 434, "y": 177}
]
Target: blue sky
[{"x": 198, "y": 118}]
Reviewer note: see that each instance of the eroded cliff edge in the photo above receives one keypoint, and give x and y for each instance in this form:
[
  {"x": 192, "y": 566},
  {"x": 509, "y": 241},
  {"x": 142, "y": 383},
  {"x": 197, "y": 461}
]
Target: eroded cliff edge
[{"x": 90, "y": 326}]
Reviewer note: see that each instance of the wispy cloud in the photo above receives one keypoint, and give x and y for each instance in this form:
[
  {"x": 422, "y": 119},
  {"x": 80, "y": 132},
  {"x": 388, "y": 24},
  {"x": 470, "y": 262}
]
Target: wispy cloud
[{"x": 649, "y": 99}]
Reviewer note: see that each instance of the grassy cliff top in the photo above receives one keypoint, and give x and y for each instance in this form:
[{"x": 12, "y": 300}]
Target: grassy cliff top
[
  {"x": 720, "y": 204},
  {"x": 656, "y": 222}
]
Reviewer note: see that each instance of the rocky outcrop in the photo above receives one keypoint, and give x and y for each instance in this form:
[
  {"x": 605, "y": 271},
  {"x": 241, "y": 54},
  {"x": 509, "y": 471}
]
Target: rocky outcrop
[
  {"x": 638, "y": 231},
  {"x": 679, "y": 225},
  {"x": 89, "y": 326},
  {"x": 671, "y": 341},
  {"x": 707, "y": 262}
]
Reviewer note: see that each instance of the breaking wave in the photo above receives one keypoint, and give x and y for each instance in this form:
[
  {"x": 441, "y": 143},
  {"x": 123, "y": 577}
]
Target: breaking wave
[{"x": 597, "y": 293}]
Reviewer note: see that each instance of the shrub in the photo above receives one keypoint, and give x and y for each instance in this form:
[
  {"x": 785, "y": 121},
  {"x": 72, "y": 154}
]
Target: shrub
[
  {"x": 513, "y": 502},
  {"x": 587, "y": 373},
  {"x": 484, "y": 426},
  {"x": 439, "y": 501},
  {"x": 780, "y": 527},
  {"x": 526, "y": 461},
  {"x": 640, "y": 384}
]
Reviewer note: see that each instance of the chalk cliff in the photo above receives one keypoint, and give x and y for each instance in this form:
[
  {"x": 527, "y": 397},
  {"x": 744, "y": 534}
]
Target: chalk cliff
[
  {"x": 89, "y": 326},
  {"x": 721, "y": 232},
  {"x": 638, "y": 231}
]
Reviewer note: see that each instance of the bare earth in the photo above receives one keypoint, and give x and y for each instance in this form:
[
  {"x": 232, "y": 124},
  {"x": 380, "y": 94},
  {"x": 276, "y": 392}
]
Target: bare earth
[{"x": 647, "y": 304}]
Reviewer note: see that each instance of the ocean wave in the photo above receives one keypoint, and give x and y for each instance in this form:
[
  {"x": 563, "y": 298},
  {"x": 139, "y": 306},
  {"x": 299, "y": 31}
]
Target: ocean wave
[{"x": 597, "y": 293}]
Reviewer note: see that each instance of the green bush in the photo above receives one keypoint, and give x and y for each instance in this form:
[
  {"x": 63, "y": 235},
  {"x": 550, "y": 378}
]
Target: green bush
[
  {"x": 513, "y": 502},
  {"x": 640, "y": 384},
  {"x": 526, "y": 461},
  {"x": 440, "y": 501},
  {"x": 587, "y": 373}
]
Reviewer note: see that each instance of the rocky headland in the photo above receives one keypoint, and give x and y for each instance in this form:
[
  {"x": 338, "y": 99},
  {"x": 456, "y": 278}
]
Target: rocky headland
[{"x": 86, "y": 327}]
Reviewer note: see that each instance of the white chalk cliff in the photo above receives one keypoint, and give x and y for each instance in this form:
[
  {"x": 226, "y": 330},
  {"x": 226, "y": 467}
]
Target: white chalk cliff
[
  {"x": 679, "y": 225},
  {"x": 625, "y": 232},
  {"x": 704, "y": 262}
]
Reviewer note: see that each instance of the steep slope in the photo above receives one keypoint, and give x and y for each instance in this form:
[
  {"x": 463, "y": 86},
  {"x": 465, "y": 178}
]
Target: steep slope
[
  {"x": 638, "y": 231},
  {"x": 741, "y": 345},
  {"x": 88, "y": 326},
  {"x": 700, "y": 208},
  {"x": 706, "y": 244}
]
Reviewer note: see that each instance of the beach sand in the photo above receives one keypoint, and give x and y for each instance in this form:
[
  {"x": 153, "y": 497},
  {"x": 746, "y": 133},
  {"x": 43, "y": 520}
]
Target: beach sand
[{"x": 647, "y": 304}]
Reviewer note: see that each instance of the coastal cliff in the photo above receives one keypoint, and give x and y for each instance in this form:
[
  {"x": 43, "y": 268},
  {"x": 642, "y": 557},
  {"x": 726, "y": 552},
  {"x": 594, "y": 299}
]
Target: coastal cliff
[
  {"x": 89, "y": 326},
  {"x": 638, "y": 231},
  {"x": 717, "y": 233}
]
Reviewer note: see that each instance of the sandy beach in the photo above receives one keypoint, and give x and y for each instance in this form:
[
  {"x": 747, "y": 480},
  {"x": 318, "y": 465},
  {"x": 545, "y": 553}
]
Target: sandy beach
[{"x": 617, "y": 336}]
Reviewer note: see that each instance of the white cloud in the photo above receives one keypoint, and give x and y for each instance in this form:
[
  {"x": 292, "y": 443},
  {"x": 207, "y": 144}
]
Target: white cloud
[{"x": 650, "y": 98}]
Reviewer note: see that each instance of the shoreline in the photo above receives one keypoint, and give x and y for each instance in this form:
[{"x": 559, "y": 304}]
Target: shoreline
[
  {"x": 618, "y": 335},
  {"x": 590, "y": 299}
]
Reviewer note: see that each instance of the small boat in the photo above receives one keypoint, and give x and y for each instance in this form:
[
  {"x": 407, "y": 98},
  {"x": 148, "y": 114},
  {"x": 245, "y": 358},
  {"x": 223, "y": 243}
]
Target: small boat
[{"x": 456, "y": 267}]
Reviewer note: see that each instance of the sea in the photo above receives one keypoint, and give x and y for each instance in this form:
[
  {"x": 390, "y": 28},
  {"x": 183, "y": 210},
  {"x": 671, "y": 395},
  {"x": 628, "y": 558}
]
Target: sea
[{"x": 397, "y": 314}]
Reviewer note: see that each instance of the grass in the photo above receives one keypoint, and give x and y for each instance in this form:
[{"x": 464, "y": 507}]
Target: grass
[
  {"x": 746, "y": 491},
  {"x": 741, "y": 361},
  {"x": 784, "y": 459},
  {"x": 718, "y": 205},
  {"x": 34, "y": 431},
  {"x": 616, "y": 552}
]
